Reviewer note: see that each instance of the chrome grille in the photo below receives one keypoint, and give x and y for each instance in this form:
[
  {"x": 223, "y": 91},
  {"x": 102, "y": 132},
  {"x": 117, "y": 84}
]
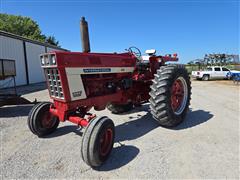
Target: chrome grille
[{"x": 54, "y": 81}]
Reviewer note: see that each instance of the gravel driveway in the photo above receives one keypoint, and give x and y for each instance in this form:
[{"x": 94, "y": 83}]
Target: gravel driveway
[{"x": 206, "y": 145}]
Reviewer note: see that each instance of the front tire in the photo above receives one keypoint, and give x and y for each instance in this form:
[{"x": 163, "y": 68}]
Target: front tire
[
  {"x": 170, "y": 95},
  {"x": 40, "y": 121},
  {"x": 97, "y": 141}
]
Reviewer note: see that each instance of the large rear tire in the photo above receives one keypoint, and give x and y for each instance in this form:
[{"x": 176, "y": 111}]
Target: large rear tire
[
  {"x": 40, "y": 121},
  {"x": 120, "y": 108},
  {"x": 170, "y": 95},
  {"x": 97, "y": 141}
]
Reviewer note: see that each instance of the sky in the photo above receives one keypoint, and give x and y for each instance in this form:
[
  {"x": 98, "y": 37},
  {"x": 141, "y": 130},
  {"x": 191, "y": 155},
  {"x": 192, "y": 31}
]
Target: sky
[{"x": 189, "y": 28}]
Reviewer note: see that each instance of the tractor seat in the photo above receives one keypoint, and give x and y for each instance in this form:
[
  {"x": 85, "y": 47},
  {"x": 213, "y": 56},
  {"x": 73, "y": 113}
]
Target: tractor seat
[
  {"x": 144, "y": 63},
  {"x": 145, "y": 59}
]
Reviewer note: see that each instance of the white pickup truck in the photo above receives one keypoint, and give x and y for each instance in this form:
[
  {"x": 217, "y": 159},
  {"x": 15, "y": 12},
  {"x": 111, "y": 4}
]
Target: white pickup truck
[{"x": 215, "y": 72}]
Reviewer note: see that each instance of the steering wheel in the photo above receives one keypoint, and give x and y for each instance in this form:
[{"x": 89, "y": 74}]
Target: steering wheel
[{"x": 134, "y": 50}]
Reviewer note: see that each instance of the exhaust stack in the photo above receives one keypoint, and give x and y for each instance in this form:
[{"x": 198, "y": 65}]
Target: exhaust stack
[{"x": 84, "y": 35}]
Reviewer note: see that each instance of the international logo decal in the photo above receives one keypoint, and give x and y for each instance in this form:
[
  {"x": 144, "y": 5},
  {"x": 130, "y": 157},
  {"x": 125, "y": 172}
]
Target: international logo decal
[{"x": 97, "y": 70}]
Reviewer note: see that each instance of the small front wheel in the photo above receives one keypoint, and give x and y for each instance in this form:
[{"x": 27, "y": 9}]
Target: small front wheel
[
  {"x": 97, "y": 142},
  {"x": 40, "y": 121}
]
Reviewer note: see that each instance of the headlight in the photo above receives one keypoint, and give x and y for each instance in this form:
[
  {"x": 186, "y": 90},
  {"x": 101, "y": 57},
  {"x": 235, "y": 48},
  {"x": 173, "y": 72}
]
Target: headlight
[
  {"x": 42, "y": 60},
  {"x": 53, "y": 59},
  {"x": 47, "y": 61}
]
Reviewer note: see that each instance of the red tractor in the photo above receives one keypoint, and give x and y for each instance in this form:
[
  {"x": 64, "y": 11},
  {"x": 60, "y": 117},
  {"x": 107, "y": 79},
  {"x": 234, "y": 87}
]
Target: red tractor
[{"x": 78, "y": 82}]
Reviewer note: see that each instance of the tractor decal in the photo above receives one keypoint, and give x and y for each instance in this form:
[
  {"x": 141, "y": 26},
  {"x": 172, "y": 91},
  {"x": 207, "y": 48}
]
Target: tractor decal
[{"x": 98, "y": 70}]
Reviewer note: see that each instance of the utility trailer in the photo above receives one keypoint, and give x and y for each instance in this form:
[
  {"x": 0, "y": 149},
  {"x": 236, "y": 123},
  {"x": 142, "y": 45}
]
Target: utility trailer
[
  {"x": 7, "y": 69},
  {"x": 8, "y": 89},
  {"x": 79, "y": 81},
  {"x": 7, "y": 75}
]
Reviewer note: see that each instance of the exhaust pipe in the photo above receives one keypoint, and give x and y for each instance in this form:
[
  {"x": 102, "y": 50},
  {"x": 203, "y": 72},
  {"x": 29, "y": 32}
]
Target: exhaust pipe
[{"x": 84, "y": 35}]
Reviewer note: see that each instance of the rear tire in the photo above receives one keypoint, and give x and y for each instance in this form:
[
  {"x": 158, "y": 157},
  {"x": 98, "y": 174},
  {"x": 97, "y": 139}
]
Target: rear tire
[
  {"x": 170, "y": 95},
  {"x": 97, "y": 141},
  {"x": 120, "y": 108},
  {"x": 40, "y": 121}
]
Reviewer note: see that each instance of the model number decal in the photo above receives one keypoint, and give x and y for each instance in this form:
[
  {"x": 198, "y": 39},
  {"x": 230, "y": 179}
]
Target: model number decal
[
  {"x": 99, "y": 70},
  {"x": 77, "y": 93}
]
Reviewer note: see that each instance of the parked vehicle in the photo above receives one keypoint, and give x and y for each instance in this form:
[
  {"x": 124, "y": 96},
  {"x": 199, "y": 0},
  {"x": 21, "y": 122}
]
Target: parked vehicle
[
  {"x": 234, "y": 75},
  {"x": 213, "y": 72}
]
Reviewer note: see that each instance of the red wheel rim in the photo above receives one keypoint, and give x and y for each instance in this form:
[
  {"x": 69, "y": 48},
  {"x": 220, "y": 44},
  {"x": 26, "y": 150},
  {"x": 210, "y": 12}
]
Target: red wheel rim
[
  {"x": 177, "y": 95},
  {"x": 106, "y": 142},
  {"x": 47, "y": 120}
]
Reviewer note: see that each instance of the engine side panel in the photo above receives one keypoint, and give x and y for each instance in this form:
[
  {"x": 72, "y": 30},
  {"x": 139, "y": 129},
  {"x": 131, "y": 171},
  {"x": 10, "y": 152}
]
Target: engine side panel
[{"x": 89, "y": 82}]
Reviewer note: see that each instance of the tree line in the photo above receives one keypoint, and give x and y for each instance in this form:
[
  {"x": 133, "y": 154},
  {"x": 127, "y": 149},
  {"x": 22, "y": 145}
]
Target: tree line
[{"x": 25, "y": 27}]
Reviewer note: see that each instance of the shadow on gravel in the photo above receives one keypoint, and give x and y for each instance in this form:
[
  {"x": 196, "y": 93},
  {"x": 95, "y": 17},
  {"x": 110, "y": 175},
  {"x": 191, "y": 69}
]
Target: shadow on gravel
[
  {"x": 143, "y": 107},
  {"x": 136, "y": 128},
  {"x": 143, "y": 124},
  {"x": 61, "y": 131},
  {"x": 119, "y": 157},
  {"x": 194, "y": 118},
  {"x": 26, "y": 89},
  {"x": 15, "y": 111},
  {"x": 140, "y": 125}
]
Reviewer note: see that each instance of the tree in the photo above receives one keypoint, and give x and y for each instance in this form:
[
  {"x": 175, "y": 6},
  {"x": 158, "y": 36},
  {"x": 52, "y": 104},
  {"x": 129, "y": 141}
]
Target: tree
[
  {"x": 26, "y": 27},
  {"x": 52, "y": 40}
]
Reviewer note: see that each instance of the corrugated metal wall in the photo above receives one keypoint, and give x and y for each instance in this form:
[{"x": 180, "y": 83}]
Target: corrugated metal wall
[
  {"x": 50, "y": 49},
  {"x": 35, "y": 71},
  {"x": 11, "y": 48}
]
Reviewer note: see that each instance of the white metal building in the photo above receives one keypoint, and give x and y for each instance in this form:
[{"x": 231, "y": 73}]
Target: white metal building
[{"x": 26, "y": 53}]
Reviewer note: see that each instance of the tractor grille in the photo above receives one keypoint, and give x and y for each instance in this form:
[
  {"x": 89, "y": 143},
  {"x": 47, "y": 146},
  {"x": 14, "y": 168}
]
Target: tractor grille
[{"x": 54, "y": 81}]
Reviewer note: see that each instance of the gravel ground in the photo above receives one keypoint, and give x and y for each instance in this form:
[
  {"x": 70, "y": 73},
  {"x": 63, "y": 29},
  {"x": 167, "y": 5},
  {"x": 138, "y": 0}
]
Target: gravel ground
[{"x": 206, "y": 145}]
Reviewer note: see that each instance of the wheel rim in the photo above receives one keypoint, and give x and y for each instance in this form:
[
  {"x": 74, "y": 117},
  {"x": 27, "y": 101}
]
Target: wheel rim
[
  {"x": 106, "y": 142},
  {"x": 48, "y": 120},
  {"x": 179, "y": 94}
]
